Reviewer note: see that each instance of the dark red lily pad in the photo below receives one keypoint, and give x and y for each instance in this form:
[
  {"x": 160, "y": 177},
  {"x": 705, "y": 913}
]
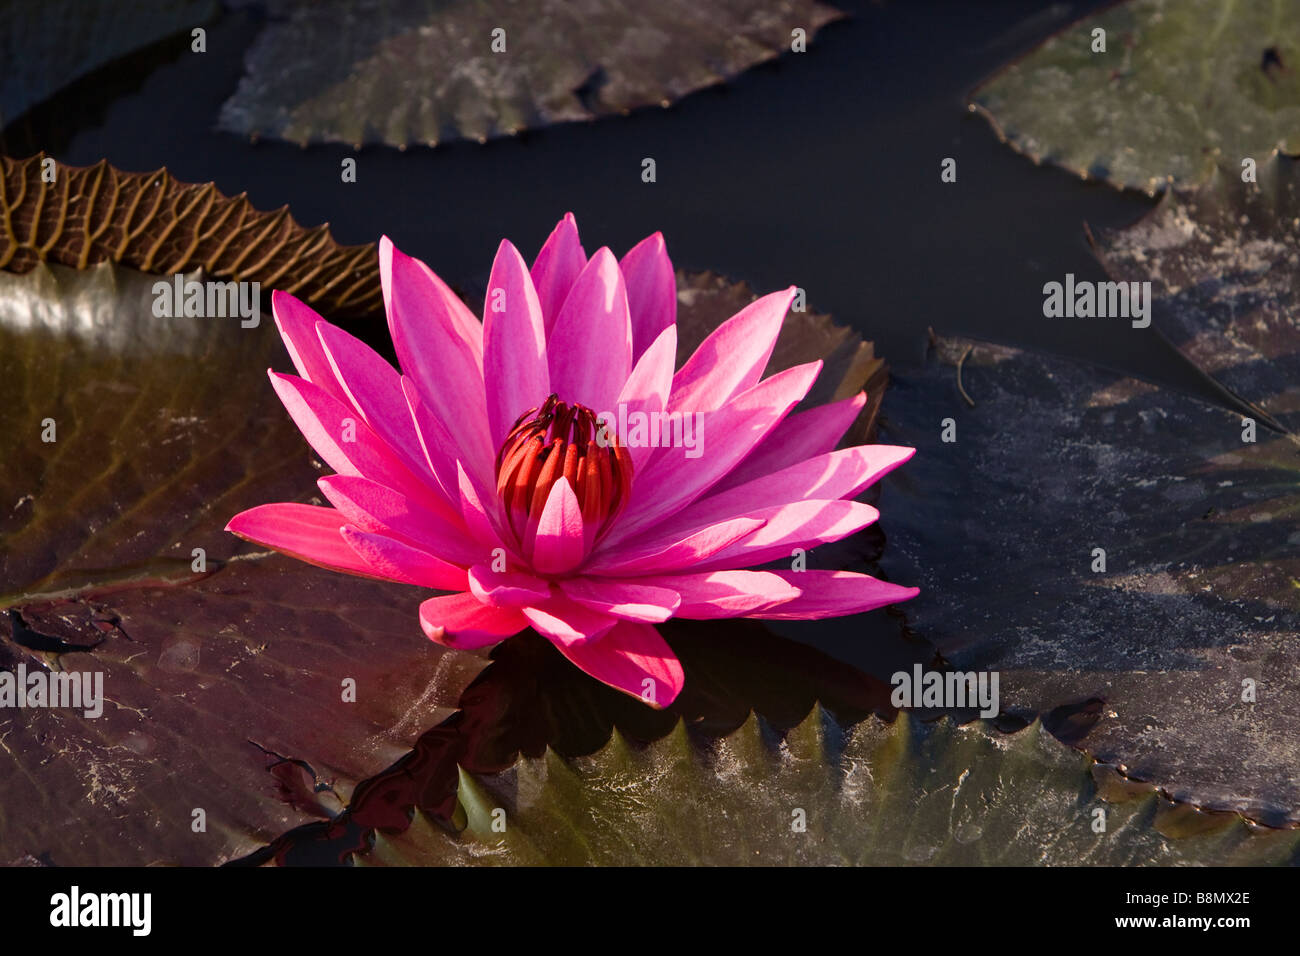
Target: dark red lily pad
[{"x": 223, "y": 688}]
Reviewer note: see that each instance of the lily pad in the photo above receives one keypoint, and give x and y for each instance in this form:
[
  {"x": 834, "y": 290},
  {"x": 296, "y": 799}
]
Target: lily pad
[
  {"x": 874, "y": 793},
  {"x": 423, "y": 72},
  {"x": 154, "y": 223},
  {"x": 223, "y": 679},
  {"x": 45, "y": 46},
  {"x": 1181, "y": 83},
  {"x": 1187, "y": 629},
  {"x": 1224, "y": 265}
]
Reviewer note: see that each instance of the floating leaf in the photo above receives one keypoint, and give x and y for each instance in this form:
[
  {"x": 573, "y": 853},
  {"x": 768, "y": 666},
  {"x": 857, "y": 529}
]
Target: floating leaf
[
  {"x": 1224, "y": 264},
  {"x": 223, "y": 682},
  {"x": 1180, "y": 83},
  {"x": 1194, "y": 608},
  {"x": 873, "y": 794},
  {"x": 154, "y": 223},
  {"x": 419, "y": 73},
  {"x": 45, "y": 46}
]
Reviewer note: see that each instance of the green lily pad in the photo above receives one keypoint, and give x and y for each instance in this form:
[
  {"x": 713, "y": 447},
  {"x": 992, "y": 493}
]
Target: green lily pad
[
  {"x": 1189, "y": 634},
  {"x": 874, "y": 793},
  {"x": 1181, "y": 83},
  {"x": 419, "y": 73},
  {"x": 223, "y": 683}
]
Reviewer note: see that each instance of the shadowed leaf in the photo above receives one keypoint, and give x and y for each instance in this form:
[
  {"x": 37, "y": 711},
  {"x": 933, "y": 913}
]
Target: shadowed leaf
[
  {"x": 1224, "y": 265},
  {"x": 423, "y": 72},
  {"x": 1197, "y": 595}
]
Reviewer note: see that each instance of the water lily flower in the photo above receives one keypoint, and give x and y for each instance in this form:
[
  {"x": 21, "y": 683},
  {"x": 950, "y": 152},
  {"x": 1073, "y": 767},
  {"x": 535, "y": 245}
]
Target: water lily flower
[{"x": 492, "y": 465}]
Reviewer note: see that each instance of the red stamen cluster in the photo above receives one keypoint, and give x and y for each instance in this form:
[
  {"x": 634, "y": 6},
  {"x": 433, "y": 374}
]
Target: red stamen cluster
[{"x": 560, "y": 440}]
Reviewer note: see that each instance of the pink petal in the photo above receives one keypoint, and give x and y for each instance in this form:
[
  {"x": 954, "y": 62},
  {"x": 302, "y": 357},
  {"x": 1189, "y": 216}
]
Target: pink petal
[
  {"x": 714, "y": 594},
  {"x": 306, "y": 532},
  {"x": 297, "y": 324},
  {"x": 372, "y": 507},
  {"x": 651, "y": 291},
  {"x": 801, "y": 436},
  {"x": 558, "y": 546},
  {"x": 589, "y": 349},
  {"x": 646, "y": 391},
  {"x": 803, "y": 524},
  {"x": 483, "y": 521},
  {"x": 734, "y": 355},
  {"x": 557, "y": 266},
  {"x": 834, "y": 593},
  {"x": 673, "y": 481},
  {"x": 507, "y": 588},
  {"x": 630, "y": 600},
  {"x": 435, "y": 441},
  {"x": 464, "y": 323},
  {"x": 459, "y": 620},
  {"x": 391, "y": 559},
  {"x": 633, "y": 658},
  {"x": 327, "y": 424},
  {"x": 514, "y": 344},
  {"x": 373, "y": 388},
  {"x": 428, "y": 328},
  {"x": 837, "y": 474},
  {"x": 665, "y": 554},
  {"x": 566, "y": 622}
]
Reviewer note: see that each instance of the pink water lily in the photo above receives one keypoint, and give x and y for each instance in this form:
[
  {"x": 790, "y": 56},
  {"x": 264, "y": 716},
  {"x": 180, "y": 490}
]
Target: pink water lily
[{"x": 492, "y": 466}]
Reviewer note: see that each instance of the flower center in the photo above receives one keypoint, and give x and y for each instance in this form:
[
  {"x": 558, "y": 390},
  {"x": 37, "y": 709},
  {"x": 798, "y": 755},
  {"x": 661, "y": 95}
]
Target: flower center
[{"x": 562, "y": 441}]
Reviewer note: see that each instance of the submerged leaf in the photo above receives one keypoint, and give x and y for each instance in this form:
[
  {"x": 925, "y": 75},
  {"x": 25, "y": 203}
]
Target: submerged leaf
[
  {"x": 423, "y": 72},
  {"x": 1180, "y": 83},
  {"x": 871, "y": 794},
  {"x": 154, "y": 223}
]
